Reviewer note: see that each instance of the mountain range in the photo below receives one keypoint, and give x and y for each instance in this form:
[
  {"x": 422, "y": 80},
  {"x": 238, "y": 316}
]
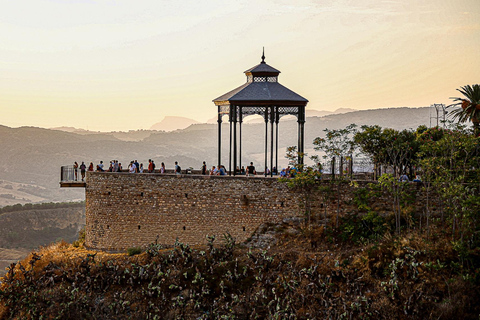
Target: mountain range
[{"x": 32, "y": 157}]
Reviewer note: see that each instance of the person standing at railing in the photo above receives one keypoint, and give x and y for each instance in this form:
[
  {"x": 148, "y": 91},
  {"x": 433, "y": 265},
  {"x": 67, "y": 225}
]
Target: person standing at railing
[
  {"x": 150, "y": 166},
  {"x": 83, "y": 168},
  {"x": 137, "y": 166},
  {"x": 178, "y": 169},
  {"x": 131, "y": 167},
  {"x": 162, "y": 168},
  {"x": 75, "y": 170},
  {"x": 90, "y": 167}
]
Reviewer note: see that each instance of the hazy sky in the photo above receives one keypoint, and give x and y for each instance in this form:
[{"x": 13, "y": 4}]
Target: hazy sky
[{"x": 122, "y": 64}]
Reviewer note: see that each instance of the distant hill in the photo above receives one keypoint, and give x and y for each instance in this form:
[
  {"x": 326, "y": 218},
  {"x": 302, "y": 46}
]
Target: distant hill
[
  {"x": 319, "y": 113},
  {"x": 31, "y": 157},
  {"x": 308, "y": 113},
  {"x": 170, "y": 123},
  {"x": 41, "y": 225},
  {"x": 75, "y": 130},
  {"x": 26, "y": 228}
]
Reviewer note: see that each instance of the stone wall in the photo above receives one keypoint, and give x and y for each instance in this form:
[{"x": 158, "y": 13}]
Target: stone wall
[
  {"x": 132, "y": 210},
  {"x": 128, "y": 210}
]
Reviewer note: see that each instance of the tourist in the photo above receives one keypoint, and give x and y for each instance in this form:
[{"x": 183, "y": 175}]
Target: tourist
[
  {"x": 283, "y": 173},
  {"x": 110, "y": 168},
  {"x": 251, "y": 170},
  {"x": 100, "y": 166},
  {"x": 204, "y": 168},
  {"x": 115, "y": 165},
  {"x": 150, "y": 166},
  {"x": 75, "y": 170},
  {"x": 137, "y": 166},
  {"x": 274, "y": 171},
  {"x": 267, "y": 171},
  {"x": 403, "y": 178},
  {"x": 417, "y": 178},
  {"x": 178, "y": 169},
  {"x": 120, "y": 167},
  {"x": 90, "y": 167},
  {"x": 83, "y": 168},
  {"x": 213, "y": 172},
  {"x": 131, "y": 167},
  {"x": 162, "y": 168},
  {"x": 221, "y": 171},
  {"x": 141, "y": 168}
]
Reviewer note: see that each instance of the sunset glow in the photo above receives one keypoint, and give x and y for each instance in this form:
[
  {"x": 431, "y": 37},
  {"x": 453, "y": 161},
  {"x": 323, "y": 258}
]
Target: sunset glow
[{"x": 122, "y": 65}]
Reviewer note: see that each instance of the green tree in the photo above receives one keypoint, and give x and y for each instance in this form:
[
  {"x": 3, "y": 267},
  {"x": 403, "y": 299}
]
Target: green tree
[
  {"x": 304, "y": 181},
  {"x": 370, "y": 141},
  {"x": 470, "y": 106},
  {"x": 337, "y": 143},
  {"x": 388, "y": 147},
  {"x": 452, "y": 166}
]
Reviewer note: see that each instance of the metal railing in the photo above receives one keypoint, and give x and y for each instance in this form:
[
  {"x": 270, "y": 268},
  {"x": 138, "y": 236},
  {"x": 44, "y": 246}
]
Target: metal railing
[{"x": 69, "y": 174}]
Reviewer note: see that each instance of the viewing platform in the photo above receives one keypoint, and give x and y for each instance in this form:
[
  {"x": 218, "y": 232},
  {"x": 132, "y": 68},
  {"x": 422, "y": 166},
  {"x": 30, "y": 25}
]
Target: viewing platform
[{"x": 71, "y": 178}]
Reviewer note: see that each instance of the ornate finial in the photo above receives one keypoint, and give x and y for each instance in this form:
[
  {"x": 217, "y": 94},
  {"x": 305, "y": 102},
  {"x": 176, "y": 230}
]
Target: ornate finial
[{"x": 263, "y": 55}]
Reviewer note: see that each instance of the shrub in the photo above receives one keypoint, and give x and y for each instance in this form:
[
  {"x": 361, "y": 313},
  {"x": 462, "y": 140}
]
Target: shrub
[
  {"x": 134, "y": 251},
  {"x": 81, "y": 239}
]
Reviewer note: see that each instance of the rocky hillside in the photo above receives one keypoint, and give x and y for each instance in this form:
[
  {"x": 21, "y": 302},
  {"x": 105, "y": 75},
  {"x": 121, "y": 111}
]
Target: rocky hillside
[
  {"x": 407, "y": 277},
  {"x": 23, "y": 228}
]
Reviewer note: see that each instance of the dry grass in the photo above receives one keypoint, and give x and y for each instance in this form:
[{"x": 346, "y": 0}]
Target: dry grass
[{"x": 354, "y": 272}]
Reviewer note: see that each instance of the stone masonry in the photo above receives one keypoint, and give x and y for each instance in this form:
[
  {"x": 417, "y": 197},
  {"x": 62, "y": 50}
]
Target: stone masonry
[
  {"x": 126, "y": 210},
  {"x": 132, "y": 210}
]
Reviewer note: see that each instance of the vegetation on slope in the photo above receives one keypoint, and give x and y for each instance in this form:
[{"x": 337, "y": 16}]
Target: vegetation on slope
[{"x": 345, "y": 276}]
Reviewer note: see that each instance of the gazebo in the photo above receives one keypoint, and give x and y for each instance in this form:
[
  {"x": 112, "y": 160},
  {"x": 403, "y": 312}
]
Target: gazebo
[{"x": 262, "y": 95}]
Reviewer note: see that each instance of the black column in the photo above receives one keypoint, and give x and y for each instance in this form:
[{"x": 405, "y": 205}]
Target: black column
[
  {"x": 301, "y": 133},
  {"x": 219, "y": 120},
  {"x": 230, "y": 149},
  {"x": 234, "y": 139},
  {"x": 272, "y": 120},
  {"x": 266, "y": 139},
  {"x": 240, "y": 119},
  {"x": 277, "y": 118}
]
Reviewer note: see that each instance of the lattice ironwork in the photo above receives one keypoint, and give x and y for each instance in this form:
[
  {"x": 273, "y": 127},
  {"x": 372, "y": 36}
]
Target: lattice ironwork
[
  {"x": 259, "y": 79},
  {"x": 288, "y": 110},
  {"x": 224, "y": 109},
  {"x": 248, "y": 110},
  {"x": 272, "y": 79}
]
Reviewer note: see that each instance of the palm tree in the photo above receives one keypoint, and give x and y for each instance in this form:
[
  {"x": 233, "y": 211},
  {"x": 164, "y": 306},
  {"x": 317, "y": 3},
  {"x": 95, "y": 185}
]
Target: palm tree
[{"x": 470, "y": 106}]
